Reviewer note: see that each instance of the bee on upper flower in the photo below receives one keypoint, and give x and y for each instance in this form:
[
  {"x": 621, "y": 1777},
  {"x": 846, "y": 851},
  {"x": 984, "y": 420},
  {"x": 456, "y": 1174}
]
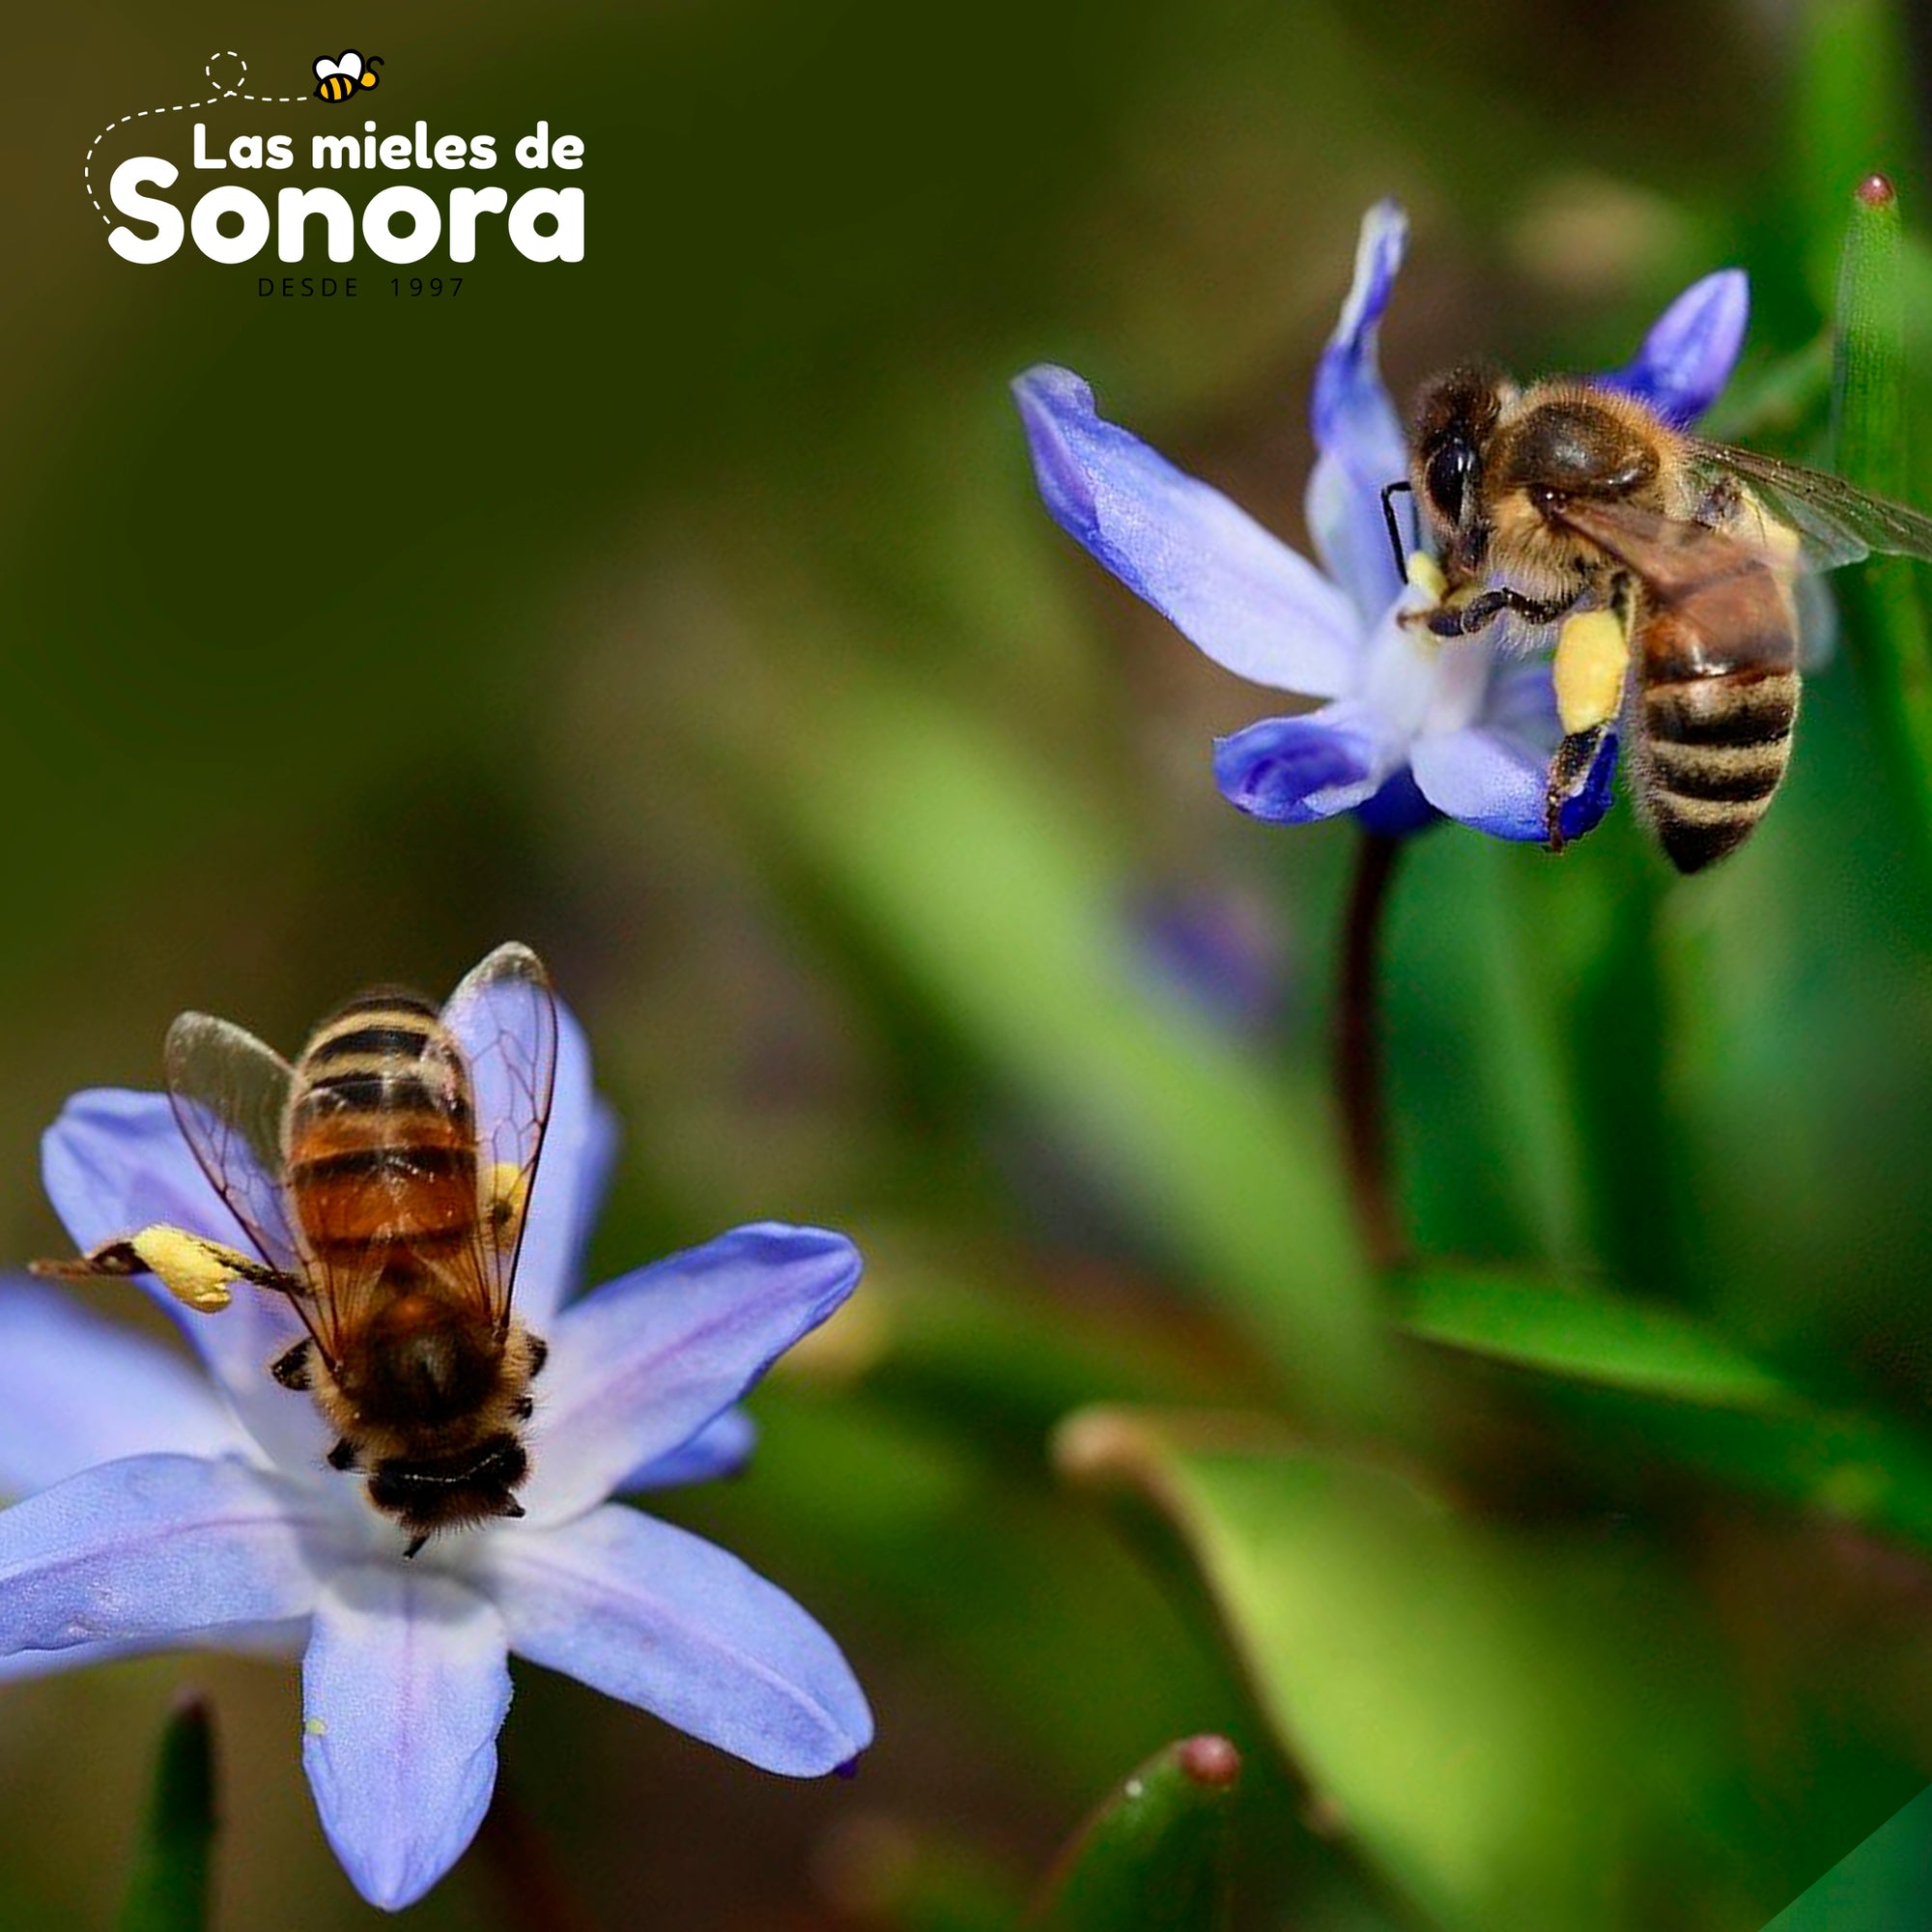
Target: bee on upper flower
[{"x": 1414, "y": 725}]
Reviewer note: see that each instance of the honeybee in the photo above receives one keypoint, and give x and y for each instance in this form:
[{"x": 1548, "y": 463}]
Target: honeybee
[
  {"x": 1568, "y": 502},
  {"x": 337, "y": 79},
  {"x": 381, "y": 1183}
]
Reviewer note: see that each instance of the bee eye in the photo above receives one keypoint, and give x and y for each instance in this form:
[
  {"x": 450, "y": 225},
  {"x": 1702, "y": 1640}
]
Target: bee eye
[{"x": 1451, "y": 470}]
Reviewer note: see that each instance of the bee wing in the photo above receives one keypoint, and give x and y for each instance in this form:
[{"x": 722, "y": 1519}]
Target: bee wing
[
  {"x": 1683, "y": 563},
  {"x": 230, "y": 1093},
  {"x": 504, "y": 1015},
  {"x": 1673, "y": 555},
  {"x": 325, "y": 69},
  {"x": 1835, "y": 522}
]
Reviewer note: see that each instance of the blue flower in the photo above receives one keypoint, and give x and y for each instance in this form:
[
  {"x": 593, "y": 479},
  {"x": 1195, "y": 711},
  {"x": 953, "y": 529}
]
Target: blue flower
[
  {"x": 169, "y": 1504},
  {"x": 1412, "y": 726}
]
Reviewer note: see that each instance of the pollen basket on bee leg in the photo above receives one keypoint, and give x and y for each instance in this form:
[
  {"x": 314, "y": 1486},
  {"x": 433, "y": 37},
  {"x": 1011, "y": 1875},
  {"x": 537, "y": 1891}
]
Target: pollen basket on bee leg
[
  {"x": 1592, "y": 657},
  {"x": 197, "y": 1271}
]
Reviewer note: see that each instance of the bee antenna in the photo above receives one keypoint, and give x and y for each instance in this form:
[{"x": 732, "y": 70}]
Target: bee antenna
[
  {"x": 375, "y": 60},
  {"x": 1388, "y": 517}
]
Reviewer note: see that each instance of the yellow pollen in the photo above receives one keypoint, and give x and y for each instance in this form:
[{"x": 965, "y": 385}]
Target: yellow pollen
[
  {"x": 508, "y": 1193},
  {"x": 1592, "y": 655},
  {"x": 1426, "y": 574},
  {"x": 191, "y": 1269}
]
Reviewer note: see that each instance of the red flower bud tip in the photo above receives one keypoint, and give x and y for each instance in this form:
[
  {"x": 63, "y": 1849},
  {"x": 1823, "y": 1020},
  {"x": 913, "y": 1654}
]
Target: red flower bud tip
[
  {"x": 1211, "y": 1761},
  {"x": 1877, "y": 191}
]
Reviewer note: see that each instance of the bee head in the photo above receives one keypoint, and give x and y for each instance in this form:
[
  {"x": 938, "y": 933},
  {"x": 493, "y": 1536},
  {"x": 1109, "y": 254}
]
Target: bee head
[{"x": 1454, "y": 418}]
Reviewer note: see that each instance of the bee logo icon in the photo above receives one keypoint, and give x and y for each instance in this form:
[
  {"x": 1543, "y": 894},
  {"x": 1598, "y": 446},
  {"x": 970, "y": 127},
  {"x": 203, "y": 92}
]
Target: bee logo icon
[{"x": 337, "y": 79}]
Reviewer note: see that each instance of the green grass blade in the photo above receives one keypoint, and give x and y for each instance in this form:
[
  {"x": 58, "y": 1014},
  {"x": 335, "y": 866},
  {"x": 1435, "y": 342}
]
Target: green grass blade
[{"x": 1890, "y": 638}]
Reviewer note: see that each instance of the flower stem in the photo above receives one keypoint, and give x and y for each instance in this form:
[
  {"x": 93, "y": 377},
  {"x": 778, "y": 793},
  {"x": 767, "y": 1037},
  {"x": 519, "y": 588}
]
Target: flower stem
[
  {"x": 525, "y": 1874},
  {"x": 1359, "y": 1053}
]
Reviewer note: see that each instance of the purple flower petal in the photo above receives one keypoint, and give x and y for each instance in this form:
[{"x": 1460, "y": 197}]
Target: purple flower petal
[
  {"x": 638, "y": 1368},
  {"x": 721, "y": 1448},
  {"x": 283, "y": 1639},
  {"x": 1692, "y": 347},
  {"x": 76, "y": 1390},
  {"x": 405, "y": 1686},
  {"x": 114, "y": 1162},
  {"x": 1239, "y": 594},
  {"x": 658, "y": 1617},
  {"x": 1358, "y": 437},
  {"x": 1498, "y": 783},
  {"x": 1398, "y": 808},
  {"x": 1293, "y": 771},
  {"x": 159, "y": 1548},
  {"x": 579, "y": 1147}
]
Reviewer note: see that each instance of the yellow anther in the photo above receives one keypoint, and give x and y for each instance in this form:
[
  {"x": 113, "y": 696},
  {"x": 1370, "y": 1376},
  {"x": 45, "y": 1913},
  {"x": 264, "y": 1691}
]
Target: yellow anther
[{"x": 1592, "y": 655}]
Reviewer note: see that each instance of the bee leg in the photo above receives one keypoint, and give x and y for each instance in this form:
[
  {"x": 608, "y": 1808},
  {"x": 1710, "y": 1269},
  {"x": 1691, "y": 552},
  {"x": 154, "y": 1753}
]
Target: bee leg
[
  {"x": 1465, "y": 620},
  {"x": 1569, "y": 773},
  {"x": 294, "y": 1369},
  {"x": 523, "y": 1407},
  {"x": 539, "y": 1353},
  {"x": 192, "y": 1269},
  {"x": 415, "y": 1543},
  {"x": 343, "y": 1455}
]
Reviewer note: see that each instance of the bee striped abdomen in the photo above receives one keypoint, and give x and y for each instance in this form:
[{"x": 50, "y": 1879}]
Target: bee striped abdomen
[
  {"x": 381, "y": 1136},
  {"x": 1713, "y": 725}
]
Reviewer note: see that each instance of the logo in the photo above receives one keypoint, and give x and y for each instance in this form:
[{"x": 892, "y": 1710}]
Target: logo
[
  {"x": 453, "y": 204},
  {"x": 338, "y": 78}
]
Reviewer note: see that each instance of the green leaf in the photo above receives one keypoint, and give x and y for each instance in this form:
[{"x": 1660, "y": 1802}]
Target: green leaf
[
  {"x": 1478, "y": 1709},
  {"x": 1587, "y": 1333},
  {"x": 169, "y": 1890},
  {"x": 1704, "y": 1403},
  {"x": 1890, "y": 641},
  {"x": 1153, "y": 1857}
]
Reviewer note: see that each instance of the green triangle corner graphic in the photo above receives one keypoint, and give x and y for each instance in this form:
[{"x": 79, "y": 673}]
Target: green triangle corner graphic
[{"x": 1885, "y": 1885}]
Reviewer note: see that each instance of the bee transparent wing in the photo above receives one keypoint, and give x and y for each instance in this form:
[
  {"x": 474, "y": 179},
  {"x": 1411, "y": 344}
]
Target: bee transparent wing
[
  {"x": 504, "y": 1015},
  {"x": 326, "y": 69},
  {"x": 230, "y": 1093},
  {"x": 1835, "y": 522},
  {"x": 1673, "y": 555}
]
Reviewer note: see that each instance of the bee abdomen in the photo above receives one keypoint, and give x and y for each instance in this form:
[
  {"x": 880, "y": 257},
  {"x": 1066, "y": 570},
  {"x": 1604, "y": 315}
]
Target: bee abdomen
[
  {"x": 380, "y": 1139},
  {"x": 1715, "y": 749}
]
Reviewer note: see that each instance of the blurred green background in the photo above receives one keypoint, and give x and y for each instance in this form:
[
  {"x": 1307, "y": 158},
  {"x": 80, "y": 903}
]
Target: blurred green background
[{"x": 688, "y": 614}]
